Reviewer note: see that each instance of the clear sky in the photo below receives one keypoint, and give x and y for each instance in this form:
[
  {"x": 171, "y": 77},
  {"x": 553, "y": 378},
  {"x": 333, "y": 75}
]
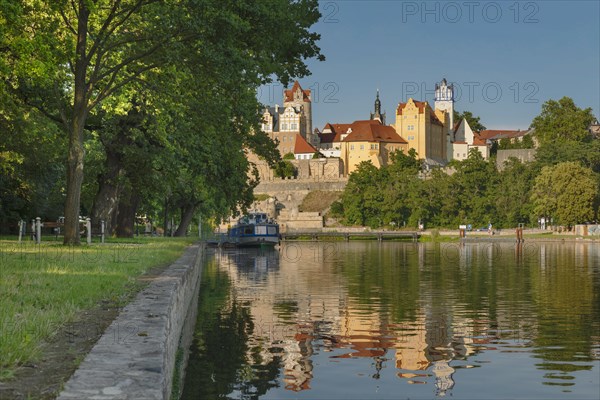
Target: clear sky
[{"x": 505, "y": 57}]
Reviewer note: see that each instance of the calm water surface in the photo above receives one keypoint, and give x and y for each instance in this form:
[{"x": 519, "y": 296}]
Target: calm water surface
[{"x": 368, "y": 320}]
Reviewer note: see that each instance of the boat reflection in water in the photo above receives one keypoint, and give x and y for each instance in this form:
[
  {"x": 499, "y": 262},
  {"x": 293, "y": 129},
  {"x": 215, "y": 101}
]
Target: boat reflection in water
[{"x": 371, "y": 320}]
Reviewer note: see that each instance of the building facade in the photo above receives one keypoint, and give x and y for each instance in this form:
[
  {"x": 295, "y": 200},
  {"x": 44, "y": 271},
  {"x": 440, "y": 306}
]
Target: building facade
[
  {"x": 293, "y": 118},
  {"x": 369, "y": 140},
  {"x": 463, "y": 139},
  {"x": 425, "y": 130}
]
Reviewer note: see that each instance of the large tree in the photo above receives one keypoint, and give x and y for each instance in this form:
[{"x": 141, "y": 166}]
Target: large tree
[
  {"x": 566, "y": 192},
  {"x": 68, "y": 58},
  {"x": 562, "y": 121}
]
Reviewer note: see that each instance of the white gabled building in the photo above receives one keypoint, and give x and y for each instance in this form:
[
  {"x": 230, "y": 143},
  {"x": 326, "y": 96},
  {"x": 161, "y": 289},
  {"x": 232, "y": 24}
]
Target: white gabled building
[{"x": 464, "y": 139}]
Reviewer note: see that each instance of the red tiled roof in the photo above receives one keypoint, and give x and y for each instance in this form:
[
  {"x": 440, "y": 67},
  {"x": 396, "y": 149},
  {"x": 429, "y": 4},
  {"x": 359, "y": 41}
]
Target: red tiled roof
[
  {"x": 496, "y": 134},
  {"x": 373, "y": 131},
  {"x": 288, "y": 94},
  {"x": 420, "y": 105},
  {"x": 478, "y": 140},
  {"x": 337, "y": 130},
  {"x": 302, "y": 146}
]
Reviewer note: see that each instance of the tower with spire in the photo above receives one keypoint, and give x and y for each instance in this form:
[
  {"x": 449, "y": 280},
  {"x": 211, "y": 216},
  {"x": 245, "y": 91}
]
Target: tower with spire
[
  {"x": 444, "y": 100},
  {"x": 377, "y": 114}
]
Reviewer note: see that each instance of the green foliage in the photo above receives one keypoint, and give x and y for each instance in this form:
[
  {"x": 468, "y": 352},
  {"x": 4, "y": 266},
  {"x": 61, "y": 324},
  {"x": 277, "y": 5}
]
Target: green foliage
[
  {"x": 148, "y": 94},
  {"x": 473, "y": 121},
  {"x": 285, "y": 169},
  {"x": 562, "y": 121},
  {"x": 512, "y": 193},
  {"x": 526, "y": 142},
  {"x": 337, "y": 209},
  {"x": 289, "y": 156},
  {"x": 566, "y": 192},
  {"x": 584, "y": 152}
]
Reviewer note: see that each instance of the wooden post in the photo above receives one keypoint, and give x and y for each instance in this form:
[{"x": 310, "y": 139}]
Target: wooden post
[
  {"x": 102, "y": 227},
  {"x": 88, "y": 228},
  {"x": 20, "y": 230},
  {"x": 38, "y": 230}
]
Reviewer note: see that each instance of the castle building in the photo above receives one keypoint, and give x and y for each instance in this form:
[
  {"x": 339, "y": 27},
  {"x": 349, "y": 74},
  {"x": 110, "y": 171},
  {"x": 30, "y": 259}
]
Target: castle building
[
  {"x": 330, "y": 139},
  {"x": 300, "y": 100},
  {"x": 369, "y": 140},
  {"x": 294, "y": 118},
  {"x": 424, "y": 129}
]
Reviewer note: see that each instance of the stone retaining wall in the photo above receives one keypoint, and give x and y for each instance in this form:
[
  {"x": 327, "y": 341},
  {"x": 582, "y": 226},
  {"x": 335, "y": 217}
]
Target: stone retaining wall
[
  {"x": 135, "y": 358},
  {"x": 294, "y": 185}
]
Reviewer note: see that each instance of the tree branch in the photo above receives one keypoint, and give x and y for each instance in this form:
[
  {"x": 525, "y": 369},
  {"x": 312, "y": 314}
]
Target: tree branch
[
  {"x": 111, "y": 88},
  {"x": 67, "y": 22}
]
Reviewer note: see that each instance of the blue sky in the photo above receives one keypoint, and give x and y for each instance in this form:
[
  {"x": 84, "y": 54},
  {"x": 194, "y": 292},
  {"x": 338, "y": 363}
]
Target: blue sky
[{"x": 505, "y": 57}]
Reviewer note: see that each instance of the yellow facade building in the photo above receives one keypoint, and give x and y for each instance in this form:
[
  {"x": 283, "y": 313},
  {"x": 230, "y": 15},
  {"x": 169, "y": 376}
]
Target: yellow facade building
[
  {"x": 369, "y": 140},
  {"x": 424, "y": 129}
]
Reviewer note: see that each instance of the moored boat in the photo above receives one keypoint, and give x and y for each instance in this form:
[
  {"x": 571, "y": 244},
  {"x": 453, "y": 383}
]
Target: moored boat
[{"x": 254, "y": 229}]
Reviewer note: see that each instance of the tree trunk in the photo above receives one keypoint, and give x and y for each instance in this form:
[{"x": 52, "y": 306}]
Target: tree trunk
[
  {"x": 128, "y": 205},
  {"x": 76, "y": 153},
  {"x": 187, "y": 213},
  {"x": 106, "y": 200}
]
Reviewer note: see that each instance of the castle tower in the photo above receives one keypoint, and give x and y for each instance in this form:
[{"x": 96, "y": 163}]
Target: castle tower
[
  {"x": 444, "y": 101},
  {"x": 300, "y": 99},
  {"x": 377, "y": 114}
]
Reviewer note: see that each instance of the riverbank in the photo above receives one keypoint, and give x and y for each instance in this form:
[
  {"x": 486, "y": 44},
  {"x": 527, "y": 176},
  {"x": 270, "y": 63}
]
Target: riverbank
[{"x": 57, "y": 301}]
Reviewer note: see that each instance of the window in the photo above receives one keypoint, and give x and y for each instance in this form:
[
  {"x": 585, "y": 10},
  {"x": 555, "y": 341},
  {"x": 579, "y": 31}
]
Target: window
[
  {"x": 284, "y": 138},
  {"x": 415, "y": 117},
  {"x": 362, "y": 146},
  {"x": 351, "y": 147},
  {"x": 294, "y": 127},
  {"x": 284, "y": 127},
  {"x": 405, "y": 117}
]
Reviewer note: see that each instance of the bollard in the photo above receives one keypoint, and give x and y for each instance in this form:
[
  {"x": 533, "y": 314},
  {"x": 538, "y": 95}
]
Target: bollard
[
  {"x": 88, "y": 228},
  {"x": 21, "y": 224},
  {"x": 102, "y": 231},
  {"x": 38, "y": 230}
]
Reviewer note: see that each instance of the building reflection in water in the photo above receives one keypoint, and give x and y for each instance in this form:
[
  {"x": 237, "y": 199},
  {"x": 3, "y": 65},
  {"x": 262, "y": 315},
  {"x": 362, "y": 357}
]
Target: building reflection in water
[{"x": 301, "y": 310}]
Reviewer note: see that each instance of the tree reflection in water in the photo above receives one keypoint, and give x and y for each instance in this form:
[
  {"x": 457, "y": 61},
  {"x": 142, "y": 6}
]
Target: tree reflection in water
[{"x": 224, "y": 359}]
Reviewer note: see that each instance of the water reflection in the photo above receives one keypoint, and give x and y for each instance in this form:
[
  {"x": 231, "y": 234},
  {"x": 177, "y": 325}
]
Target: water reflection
[{"x": 377, "y": 320}]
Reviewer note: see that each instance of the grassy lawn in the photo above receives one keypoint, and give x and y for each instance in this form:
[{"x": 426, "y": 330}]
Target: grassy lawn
[{"x": 43, "y": 287}]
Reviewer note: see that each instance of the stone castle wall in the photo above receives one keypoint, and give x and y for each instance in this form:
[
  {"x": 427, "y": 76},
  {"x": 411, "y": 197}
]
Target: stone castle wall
[
  {"x": 317, "y": 169},
  {"x": 525, "y": 155}
]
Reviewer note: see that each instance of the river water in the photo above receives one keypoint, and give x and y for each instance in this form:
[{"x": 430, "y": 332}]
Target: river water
[{"x": 393, "y": 320}]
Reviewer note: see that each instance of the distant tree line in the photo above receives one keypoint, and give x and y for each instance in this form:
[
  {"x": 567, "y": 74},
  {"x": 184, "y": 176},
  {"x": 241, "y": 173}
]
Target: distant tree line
[{"x": 562, "y": 184}]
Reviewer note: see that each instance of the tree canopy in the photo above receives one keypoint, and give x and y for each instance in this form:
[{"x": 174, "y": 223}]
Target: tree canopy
[
  {"x": 473, "y": 121},
  {"x": 158, "y": 95},
  {"x": 562, "y": 121},
  {"x": 567, "y": 192}
]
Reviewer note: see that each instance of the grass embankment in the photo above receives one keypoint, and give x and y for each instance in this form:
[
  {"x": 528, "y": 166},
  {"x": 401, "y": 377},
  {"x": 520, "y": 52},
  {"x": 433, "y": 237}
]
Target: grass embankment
[
  {"x": 44, "y": 287},
  {"x": 318, "y": 201}
]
